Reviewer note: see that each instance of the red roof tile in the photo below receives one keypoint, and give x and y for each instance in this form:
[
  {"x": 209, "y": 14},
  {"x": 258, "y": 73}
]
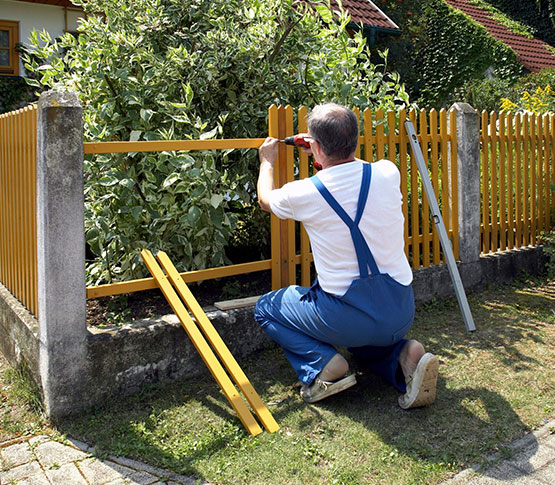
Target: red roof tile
[
  {"x": 533, "y": 54},
  {"x": 367, "y": 13}
]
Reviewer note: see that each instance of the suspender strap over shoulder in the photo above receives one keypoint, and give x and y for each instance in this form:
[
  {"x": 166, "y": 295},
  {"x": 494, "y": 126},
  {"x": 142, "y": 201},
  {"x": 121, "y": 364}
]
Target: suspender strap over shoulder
[{"x": 364, "y": 255}]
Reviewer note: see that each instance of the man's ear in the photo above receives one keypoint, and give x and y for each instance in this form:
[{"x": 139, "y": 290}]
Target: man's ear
[{"x": 316, "y": 148}]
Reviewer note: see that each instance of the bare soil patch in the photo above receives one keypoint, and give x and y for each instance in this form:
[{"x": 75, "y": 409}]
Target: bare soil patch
[{"x": 151, "y": 303}]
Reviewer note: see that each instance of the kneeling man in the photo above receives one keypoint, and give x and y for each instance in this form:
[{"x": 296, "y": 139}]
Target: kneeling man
[{"x": 362, "y": 298}]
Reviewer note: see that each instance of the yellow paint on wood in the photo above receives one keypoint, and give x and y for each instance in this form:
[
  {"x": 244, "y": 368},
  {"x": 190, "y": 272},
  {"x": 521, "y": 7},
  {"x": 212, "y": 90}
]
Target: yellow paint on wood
[
  {"x": 218, "y": 344},
  {"x": 201, "y": 345},
  {"x": 169, "y": 145},
  {"x": 188, "y": 276}
]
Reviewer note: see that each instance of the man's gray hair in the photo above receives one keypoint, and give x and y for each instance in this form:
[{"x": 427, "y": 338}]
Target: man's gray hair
[{"x": 335, "y": 127}]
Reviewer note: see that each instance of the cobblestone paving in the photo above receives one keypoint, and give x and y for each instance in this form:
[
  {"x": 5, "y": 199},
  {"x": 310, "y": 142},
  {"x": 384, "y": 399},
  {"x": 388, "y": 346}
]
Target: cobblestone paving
[{"x": 42, "y": 460}]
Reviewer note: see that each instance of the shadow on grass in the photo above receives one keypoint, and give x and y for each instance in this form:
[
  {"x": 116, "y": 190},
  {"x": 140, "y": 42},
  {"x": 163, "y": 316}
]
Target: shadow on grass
[{"x": 181, "y": 425}]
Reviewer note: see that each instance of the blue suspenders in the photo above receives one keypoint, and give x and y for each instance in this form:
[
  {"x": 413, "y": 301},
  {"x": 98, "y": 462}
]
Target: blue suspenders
[
  {"x": 375, "y": 298},
  {"x": 364, "y": 255}
]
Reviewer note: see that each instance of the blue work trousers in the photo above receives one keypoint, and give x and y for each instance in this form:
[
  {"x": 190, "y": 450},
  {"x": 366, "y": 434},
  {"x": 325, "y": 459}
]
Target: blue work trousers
[{"x": 291, "y": 317}]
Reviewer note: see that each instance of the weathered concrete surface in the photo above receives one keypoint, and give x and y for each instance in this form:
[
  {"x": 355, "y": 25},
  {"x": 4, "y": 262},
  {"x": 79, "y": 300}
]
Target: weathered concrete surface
[
  {"x": 468, "y": 180},
  {"x": 158, "y": 350},
  {"x": 500, "y": 267},
  {"x": 19, "y": 333},
  {"x": 61, "y": 251}
]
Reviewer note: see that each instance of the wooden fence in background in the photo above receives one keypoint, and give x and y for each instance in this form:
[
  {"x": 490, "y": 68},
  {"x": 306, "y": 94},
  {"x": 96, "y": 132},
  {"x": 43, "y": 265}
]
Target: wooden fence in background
[
  {"x": 18, "y": 219},
  {"x": 517, "y": 178},
  {"x": 517, "y": 174}
]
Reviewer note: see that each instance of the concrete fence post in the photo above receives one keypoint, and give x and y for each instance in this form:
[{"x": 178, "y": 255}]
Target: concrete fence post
[
  {"x": 61, "y": 252},
  {"x": 468, "y": 156}
]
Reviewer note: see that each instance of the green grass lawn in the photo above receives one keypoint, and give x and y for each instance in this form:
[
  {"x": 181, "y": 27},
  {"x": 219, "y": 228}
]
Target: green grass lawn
[{"x": 494, "y": 385}]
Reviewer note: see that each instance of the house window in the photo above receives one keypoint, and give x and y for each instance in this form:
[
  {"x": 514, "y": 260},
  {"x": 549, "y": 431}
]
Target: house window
[{"x": 9, "y": 58}]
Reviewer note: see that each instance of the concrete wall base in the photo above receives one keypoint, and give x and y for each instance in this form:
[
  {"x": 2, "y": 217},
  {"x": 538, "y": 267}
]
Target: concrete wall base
[
  {"x": 19, "y": 334},
  {"x": 126, "y": 358}
]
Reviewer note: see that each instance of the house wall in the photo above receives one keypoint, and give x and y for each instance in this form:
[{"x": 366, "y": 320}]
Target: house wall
[{"x": 37, "y": 16}]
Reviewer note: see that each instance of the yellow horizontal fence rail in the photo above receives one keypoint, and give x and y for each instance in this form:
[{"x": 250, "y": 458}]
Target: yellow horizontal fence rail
[
  {"x": 517, "y": 173},
  {"x": 18, "y": 227},
  {"x": 169, "y": 145},
  {"x": 290, "y": 247}
]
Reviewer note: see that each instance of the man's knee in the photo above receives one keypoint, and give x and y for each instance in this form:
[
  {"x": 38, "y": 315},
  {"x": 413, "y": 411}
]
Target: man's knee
[{"x": 262, "y": 309}]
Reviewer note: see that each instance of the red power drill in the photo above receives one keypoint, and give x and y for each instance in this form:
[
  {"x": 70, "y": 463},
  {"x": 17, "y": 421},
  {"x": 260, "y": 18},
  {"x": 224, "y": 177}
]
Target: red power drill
[
  {"x": 297, "y": 141},
  {"x": 300, "y": 141}
]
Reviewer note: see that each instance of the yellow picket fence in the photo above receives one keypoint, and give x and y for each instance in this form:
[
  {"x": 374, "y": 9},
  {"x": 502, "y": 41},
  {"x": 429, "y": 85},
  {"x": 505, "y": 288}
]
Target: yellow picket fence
[
  {"x": 517, "y": 200},
  {"x": 517, "y": 165},
  {"x": 18, "y": 226},
  {"x": 384, "y": 139}
]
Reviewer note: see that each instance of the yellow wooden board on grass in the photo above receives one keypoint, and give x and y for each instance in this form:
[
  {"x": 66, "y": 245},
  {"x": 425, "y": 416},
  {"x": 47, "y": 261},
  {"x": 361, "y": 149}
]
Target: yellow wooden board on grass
[
  {"x": 218, "y": 344},
  {"x": 202, "y": 346}
]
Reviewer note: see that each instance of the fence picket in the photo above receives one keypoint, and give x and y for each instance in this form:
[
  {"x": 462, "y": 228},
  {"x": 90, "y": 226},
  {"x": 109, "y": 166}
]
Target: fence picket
[
  {"x": 518, "y": 181},
  {"x": 403, "y": 167},
  {"x": 502, "y": 186},
  {"x": 289, "y": 254},
  {"x": 533, "y": 192},
  {"x": 380, "y": 136},
  {"x": 358, "y": 148},
  {"x": 3, "y": 215},
  {"x": 547, "y": 151},
  {"x": 275, "y": 247},
  {"x": 391, "y": 136},
  {"x": 510, "y": 183},
  {"x": 540, "y": 206},
  {"x": 526, "y": 170},
  {"x": 442, "y": 137},
  {"x": 303, "y": 173},
  {"x": 429, "y": 143}
]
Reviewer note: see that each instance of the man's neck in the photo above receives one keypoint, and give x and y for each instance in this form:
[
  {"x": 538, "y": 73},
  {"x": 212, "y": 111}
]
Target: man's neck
[{"x": 332, "y": 163}]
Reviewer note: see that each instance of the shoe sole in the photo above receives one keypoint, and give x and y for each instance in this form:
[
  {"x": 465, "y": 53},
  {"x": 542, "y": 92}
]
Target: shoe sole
[
  {"x": 425, "y": 380},
  {"x": 335, "y": 388}
]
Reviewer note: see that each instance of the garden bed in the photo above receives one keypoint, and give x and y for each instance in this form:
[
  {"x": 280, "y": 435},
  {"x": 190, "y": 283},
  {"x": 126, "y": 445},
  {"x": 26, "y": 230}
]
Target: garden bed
[{"x": 115, "y": 310}]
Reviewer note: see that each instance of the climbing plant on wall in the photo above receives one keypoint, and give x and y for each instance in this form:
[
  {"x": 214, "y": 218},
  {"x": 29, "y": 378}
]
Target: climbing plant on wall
[{"x": 442, "y": 49}]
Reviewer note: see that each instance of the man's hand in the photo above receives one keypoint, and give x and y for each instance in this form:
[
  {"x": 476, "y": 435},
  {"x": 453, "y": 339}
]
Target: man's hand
[{"x": 267, "y": 153}]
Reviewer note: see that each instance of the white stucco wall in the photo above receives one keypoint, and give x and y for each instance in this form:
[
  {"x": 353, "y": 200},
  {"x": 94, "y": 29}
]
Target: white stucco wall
[{"x": 36, "y": 16}]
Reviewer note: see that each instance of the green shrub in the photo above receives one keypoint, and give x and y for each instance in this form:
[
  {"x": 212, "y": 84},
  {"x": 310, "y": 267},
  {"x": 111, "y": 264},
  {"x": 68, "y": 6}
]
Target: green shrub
[
  {"x": 483, "y": 94},
  {"x": 15, "y": 93},
  {"x": 173, "y": 69}
]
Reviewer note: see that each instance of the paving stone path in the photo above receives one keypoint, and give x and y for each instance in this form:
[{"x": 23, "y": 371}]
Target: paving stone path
[
  {"x": 41, "y": 460},
  {"x": 531, "y": 462}
]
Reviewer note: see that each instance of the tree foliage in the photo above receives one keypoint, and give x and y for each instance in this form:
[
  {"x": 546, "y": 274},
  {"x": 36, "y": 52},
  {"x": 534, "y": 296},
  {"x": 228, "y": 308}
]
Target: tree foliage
[
  {"x": 442, "y": 49},
  {"x": 175, "y": 69}
]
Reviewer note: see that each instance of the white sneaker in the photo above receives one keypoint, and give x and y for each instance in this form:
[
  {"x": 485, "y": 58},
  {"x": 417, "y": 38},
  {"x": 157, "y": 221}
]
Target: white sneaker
[
  {"x": 421, "y": 385},
  {"x": 321, "y": 389}
]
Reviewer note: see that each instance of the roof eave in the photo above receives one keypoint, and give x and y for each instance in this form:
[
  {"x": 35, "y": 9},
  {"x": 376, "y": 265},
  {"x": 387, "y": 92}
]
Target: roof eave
[{"x": 374, "y": 28}]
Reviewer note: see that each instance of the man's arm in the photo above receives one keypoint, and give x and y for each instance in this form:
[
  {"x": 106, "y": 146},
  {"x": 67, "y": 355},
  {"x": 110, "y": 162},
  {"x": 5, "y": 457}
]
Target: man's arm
[{"x": 268, "y": 155}]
